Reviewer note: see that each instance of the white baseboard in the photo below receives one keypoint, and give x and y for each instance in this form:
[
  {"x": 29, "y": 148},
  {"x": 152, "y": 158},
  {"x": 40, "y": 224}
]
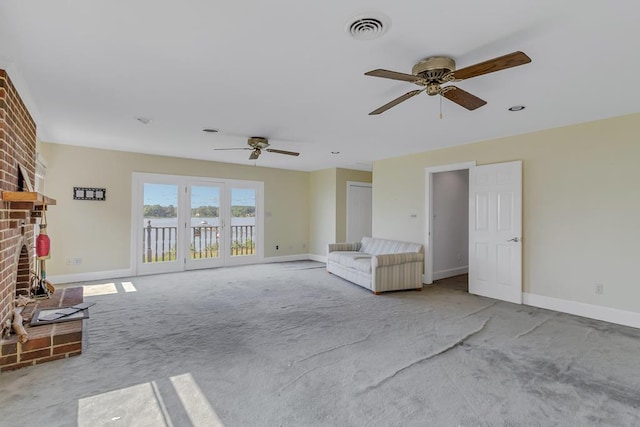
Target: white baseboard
[
  {"x": 598, "y": 312},
  {"x": 112, "y": 274},
  {"x": 85, "y": 277},
  {"x": 443, "y": 274},
  {"x": 319, "y": 258}
]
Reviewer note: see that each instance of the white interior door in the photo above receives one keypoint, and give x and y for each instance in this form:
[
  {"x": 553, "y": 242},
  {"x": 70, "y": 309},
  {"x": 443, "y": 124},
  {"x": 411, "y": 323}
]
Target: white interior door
[
  {"x": 495, "y": 231},
  {"x": 359, "y": 206}
]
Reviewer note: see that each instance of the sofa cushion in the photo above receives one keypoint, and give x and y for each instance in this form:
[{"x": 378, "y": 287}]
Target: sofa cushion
[
  {"x": 352, "y": 259},
  {"x": 375, "y": 246},
  {"x": 344, "y": 246}
]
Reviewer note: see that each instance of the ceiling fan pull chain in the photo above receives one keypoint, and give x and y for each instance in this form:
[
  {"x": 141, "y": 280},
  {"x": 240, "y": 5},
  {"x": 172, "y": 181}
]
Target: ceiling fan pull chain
[{"x": 440, "y": 108}]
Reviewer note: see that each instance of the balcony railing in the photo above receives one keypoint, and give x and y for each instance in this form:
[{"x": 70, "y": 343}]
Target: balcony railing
[
  {"x": 204, "y": 241},
  {"x": 242, "y": 242},
  {"x": 159, "y": 243}
]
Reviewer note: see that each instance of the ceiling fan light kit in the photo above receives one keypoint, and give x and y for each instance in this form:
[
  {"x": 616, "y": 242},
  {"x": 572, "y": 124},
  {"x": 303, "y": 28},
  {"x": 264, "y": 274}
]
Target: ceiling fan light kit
[{"x": 433, "y": 72}]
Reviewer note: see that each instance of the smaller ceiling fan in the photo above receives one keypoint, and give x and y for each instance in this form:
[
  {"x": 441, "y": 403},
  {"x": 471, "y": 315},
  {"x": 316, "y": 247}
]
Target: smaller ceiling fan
[
  {"x": 257, "y": 144},
  {"x": 435, "y": 71}
]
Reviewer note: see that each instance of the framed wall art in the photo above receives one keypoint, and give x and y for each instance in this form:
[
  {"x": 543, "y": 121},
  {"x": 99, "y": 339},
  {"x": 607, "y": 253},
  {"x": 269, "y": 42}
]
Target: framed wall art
[{"x": 89, "y": 193}]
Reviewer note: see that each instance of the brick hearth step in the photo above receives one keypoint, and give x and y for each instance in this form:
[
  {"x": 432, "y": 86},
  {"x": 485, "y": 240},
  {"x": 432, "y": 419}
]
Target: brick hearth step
[{"x": 46, "y": 342}]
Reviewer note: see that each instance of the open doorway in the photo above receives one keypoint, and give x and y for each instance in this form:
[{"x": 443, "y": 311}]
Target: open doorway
[
  {"x": 447, "y": 226},
  {"x": 450, "y": 228}
]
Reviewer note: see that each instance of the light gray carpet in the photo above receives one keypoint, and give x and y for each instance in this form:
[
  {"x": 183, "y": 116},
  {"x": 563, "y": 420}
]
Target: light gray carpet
[{"x": 290, "y": 345}]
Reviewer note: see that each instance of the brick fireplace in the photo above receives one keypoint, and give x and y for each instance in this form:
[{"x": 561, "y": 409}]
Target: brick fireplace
[
  {"x": 18, "y": 147},
  {"x": 17, "y": 257}
]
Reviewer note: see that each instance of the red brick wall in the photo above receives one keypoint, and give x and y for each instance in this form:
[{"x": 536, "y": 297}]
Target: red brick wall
[
  {"x": 23, "y": 281},
  {"x": 18, "y": 145}
]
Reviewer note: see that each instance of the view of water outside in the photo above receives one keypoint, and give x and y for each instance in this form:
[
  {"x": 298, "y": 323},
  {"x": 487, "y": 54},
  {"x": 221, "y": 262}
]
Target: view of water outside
[
  {"x": 166, "y": 196},
  {"x": 173, "y": 222}
]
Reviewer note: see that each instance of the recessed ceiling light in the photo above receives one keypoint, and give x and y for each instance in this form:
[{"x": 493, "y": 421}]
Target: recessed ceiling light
[
  {"x": 368, "y": 26},
  {"x": 335, "y": 152},
  {"x": 143, "y": 120},
  {"x": 210, "y": 130},
  {"x": 517, "y": 108}
]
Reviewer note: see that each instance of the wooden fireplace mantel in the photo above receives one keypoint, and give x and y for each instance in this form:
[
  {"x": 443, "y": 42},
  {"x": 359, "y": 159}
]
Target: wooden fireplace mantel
[
  {"x": 31, "y": 198},
  {"x": 26, "y": 205}
]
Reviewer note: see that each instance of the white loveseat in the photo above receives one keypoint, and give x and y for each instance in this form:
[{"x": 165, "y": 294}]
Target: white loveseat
[{"x": 378, "y": 264}]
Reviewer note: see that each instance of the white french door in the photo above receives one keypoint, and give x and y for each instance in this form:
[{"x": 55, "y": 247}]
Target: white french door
[
  {"x": 242, "y": 232},
  {"x": 184, "y": 223},
  {"x": 495, "y": 231},
  {"x": 205, "y": 226},
  {"x": 157, "y": 218}
]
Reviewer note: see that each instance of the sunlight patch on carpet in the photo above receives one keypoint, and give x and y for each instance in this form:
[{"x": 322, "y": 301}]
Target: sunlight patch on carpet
[
  {"x": 102, "y": 289},
  {"x": 194, "y": 401},
  {"x": 128, "y": 287},
  {"x": 126, "y": 406}
]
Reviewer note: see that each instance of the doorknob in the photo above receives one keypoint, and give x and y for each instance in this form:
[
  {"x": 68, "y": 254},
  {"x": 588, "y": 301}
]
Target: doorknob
[{"x": 515, "y": 239}]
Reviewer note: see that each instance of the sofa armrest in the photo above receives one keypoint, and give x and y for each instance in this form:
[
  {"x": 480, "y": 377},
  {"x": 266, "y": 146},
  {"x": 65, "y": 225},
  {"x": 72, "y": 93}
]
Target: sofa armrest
[
  {"x": 344, "y": 246},
  {"x": 395, "y": 259}
]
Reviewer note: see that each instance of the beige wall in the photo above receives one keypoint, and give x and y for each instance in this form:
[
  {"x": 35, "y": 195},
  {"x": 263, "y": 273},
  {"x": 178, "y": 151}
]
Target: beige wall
[
  {"x": 322, "y": 210},
  {"x": 100, "y": 232},
  {"x": 581, "y": 189},
  {"x": 328, "y": 210},
  {"x": 342, "y": 176}
]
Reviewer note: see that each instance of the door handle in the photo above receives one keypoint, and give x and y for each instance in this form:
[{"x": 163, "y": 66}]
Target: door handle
[{"x": 515, "y": 239}]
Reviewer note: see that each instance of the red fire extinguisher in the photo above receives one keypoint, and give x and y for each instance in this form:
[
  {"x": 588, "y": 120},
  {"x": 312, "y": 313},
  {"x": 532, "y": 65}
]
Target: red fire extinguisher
[{"x": 43, "y": 243}]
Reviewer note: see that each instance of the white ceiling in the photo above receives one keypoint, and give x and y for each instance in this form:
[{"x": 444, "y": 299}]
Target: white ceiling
[{"x": 287, "y": 70}]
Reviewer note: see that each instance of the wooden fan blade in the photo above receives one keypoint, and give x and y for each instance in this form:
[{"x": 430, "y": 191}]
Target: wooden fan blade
[
  {"x": 464, "y": 98},
  {"x": 396, "y": 101},
  {"x": 222, "y": 149},
  {"x": 254, "y": 154},
  {"x": 491, "y": 66},
  {"x": 288, "y": 153},
  {"x": 386, "y": 74}
]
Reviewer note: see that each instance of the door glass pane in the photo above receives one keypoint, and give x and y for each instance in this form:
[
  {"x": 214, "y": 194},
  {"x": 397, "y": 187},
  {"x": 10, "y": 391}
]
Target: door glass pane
[
  {"x": 204, "y": 233},
  {"x": 243, "y": 221},
  {"x": 160, "y": 213}
]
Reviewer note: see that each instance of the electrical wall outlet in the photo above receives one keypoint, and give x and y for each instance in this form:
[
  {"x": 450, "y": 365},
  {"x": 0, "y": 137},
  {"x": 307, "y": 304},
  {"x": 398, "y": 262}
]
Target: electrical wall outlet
[
  {"x": 599, "y": 288},
  {"x": 74, "y": 261},
  {"x": 277, "y": 247}
]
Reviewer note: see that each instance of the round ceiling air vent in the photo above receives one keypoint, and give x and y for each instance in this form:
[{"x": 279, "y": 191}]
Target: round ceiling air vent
[{"x": 368, "y": 26}]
